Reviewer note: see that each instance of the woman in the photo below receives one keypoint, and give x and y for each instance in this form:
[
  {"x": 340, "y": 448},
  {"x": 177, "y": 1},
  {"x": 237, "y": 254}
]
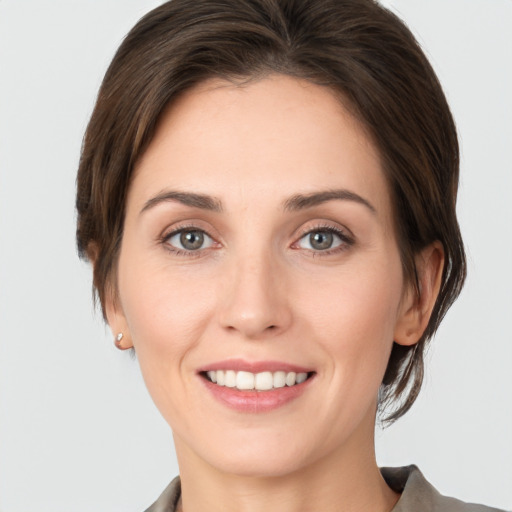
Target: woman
[{"x": 267, "y": 195}]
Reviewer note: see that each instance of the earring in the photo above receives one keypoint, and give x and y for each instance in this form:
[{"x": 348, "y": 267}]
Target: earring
[{"x": 117, "y": 341}]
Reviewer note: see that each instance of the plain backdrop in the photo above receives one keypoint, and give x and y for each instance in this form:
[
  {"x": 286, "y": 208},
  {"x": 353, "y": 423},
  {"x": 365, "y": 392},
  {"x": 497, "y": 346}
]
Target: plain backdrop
[{"x": 78, "y": 431}]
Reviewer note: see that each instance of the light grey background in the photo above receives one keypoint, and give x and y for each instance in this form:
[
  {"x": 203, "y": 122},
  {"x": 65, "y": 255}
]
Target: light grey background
[{"x": 78, "y": 431}]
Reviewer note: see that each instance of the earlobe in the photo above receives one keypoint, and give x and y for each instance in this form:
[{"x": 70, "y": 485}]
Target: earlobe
[
  {"x": 417, "y": 305},
  {"x": 118, "y": 342},
  {"x": 111, "y": 307},
  {"x": 117, "y": 321}
]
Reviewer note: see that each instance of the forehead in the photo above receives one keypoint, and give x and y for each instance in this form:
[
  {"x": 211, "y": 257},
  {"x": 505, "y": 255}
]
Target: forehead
[{"x": 277, "y": 132}]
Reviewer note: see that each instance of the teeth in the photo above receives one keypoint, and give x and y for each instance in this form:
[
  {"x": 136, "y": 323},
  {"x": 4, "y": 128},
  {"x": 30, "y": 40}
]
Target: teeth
[
  {"x": 262, "y": 381},
  {"x": 279, "y": 379},
  {"x": 301, "y": 377},
  {"x": 290, "y": 378},
  {"x": 230, "y": 379},
  {"x": 245, "y": 380}
]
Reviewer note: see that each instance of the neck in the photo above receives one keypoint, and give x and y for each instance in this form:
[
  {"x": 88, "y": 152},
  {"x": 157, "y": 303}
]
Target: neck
[{"x": 347, "y": 479}]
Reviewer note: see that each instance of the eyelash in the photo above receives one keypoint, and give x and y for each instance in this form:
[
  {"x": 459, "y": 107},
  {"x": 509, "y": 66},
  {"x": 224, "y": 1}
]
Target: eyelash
[
  {"x": 164, "y": 240},
  {"x": 346, "y": 241}
]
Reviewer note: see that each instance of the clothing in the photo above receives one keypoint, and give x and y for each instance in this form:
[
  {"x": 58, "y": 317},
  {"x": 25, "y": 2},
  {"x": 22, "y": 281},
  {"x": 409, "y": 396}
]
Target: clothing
[{"x": 417, "y": 494}]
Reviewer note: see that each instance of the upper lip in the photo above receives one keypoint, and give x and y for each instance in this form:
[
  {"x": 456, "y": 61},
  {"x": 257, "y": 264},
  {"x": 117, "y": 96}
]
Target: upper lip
[{"x": 254, "y": 366}]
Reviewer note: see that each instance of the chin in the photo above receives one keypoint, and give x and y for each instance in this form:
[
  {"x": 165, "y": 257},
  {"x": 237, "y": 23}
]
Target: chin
[
  {"x": 248, "y": 453},
  {"x": 257, "y": 466}
]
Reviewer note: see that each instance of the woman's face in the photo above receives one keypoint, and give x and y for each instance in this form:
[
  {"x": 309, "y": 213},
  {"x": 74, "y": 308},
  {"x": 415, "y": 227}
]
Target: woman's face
[{"x": 259, "y": 250}]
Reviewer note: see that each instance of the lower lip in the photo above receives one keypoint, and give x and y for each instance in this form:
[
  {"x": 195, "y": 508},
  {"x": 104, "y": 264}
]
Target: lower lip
[{"x": 256, "y": 401}]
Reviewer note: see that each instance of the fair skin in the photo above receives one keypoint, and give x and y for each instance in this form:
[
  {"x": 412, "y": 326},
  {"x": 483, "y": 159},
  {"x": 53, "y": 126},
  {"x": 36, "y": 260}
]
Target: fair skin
[{"x": 224, "y": 267}]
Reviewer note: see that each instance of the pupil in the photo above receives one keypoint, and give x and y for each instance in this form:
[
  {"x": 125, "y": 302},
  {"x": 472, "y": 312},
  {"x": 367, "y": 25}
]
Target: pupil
[
  {"x": 321, "y": 240},
  {"x": 192, "y": 240}
]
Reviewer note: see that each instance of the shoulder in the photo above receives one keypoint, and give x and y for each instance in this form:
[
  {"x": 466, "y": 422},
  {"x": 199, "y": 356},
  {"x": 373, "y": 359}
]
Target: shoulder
[
  {"x": 419, "y": 495},
  {"x": 168, "y": 499}
]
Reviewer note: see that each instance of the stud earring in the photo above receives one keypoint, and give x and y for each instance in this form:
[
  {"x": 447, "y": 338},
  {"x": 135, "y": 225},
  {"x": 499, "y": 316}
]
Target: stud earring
[{"x": 117, "y": 341}]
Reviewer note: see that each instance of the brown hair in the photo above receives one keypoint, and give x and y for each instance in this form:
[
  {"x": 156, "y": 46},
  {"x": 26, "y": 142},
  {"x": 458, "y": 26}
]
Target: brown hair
[{"x": 355, "y": 47}]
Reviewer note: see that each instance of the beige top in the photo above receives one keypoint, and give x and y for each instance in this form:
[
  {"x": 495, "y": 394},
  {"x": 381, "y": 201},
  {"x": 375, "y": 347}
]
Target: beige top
[{"x": 417, "y": 494}]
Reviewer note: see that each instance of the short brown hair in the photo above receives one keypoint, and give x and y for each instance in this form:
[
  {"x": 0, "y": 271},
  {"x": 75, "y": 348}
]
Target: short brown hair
[{"x": 358, "y": 49}]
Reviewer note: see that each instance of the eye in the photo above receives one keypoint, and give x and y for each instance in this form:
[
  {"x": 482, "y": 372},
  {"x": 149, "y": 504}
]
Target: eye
[
  {"x": 322, "y": 240},
  {"x": 189, "y": 240}
]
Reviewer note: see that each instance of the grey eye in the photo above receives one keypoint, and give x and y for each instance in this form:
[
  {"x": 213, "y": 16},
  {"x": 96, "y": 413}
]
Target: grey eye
[
  {"x": 190, "y": 240},
  {"x": 320, "y": 240}
]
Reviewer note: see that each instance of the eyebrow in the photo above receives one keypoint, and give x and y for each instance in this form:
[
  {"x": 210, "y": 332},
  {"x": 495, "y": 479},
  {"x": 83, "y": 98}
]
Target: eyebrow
[
  {"x": 295, "y": 203},
  {"x": 301, "y": 201},
  {"x": 202, "y": 201}
]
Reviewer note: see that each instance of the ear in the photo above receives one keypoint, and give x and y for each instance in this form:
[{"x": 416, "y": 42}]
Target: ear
[
  {"x": 112, "y": 310},
  {"x": 117, "y": 320},
  {"x": 417, "y": 305},
  {"x": 115, "y": 317}
]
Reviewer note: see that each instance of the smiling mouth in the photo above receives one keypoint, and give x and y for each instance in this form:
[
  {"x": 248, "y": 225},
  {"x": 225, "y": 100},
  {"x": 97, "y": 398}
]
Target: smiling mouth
[{"x": 262, "y": 381}]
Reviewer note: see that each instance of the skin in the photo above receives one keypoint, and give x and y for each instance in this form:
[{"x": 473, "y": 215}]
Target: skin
[{"x": 258, "y": 290}]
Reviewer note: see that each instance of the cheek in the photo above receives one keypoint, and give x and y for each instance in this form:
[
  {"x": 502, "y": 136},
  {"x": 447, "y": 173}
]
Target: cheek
[
  {"x": 355, "y": 312},
  {"x": 166, "y": 315},
  {"x": 357, "y": 316},
  {"x": 165, "y": 311}
]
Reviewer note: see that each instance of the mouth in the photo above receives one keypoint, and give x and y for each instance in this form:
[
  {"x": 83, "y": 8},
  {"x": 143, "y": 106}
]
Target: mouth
[
  {"x": 257, "y": 382},
  {"x": 257, "y": 386}
]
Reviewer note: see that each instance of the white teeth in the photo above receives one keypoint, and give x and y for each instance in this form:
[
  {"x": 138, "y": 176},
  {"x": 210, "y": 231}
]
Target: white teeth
[
  {"x": 290, "y": 378},
  {"x": 301, "y": 377},
  {"x": 230, "y": 379},
  {"x": 262, "y": 381},
  {"x": 279, "y": 379},
  {"x": 245, "y": 380}
]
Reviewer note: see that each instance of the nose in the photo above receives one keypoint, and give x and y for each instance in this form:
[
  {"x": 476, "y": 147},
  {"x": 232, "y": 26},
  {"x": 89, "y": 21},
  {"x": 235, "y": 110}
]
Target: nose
[{"x": 255, "y": 302}]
